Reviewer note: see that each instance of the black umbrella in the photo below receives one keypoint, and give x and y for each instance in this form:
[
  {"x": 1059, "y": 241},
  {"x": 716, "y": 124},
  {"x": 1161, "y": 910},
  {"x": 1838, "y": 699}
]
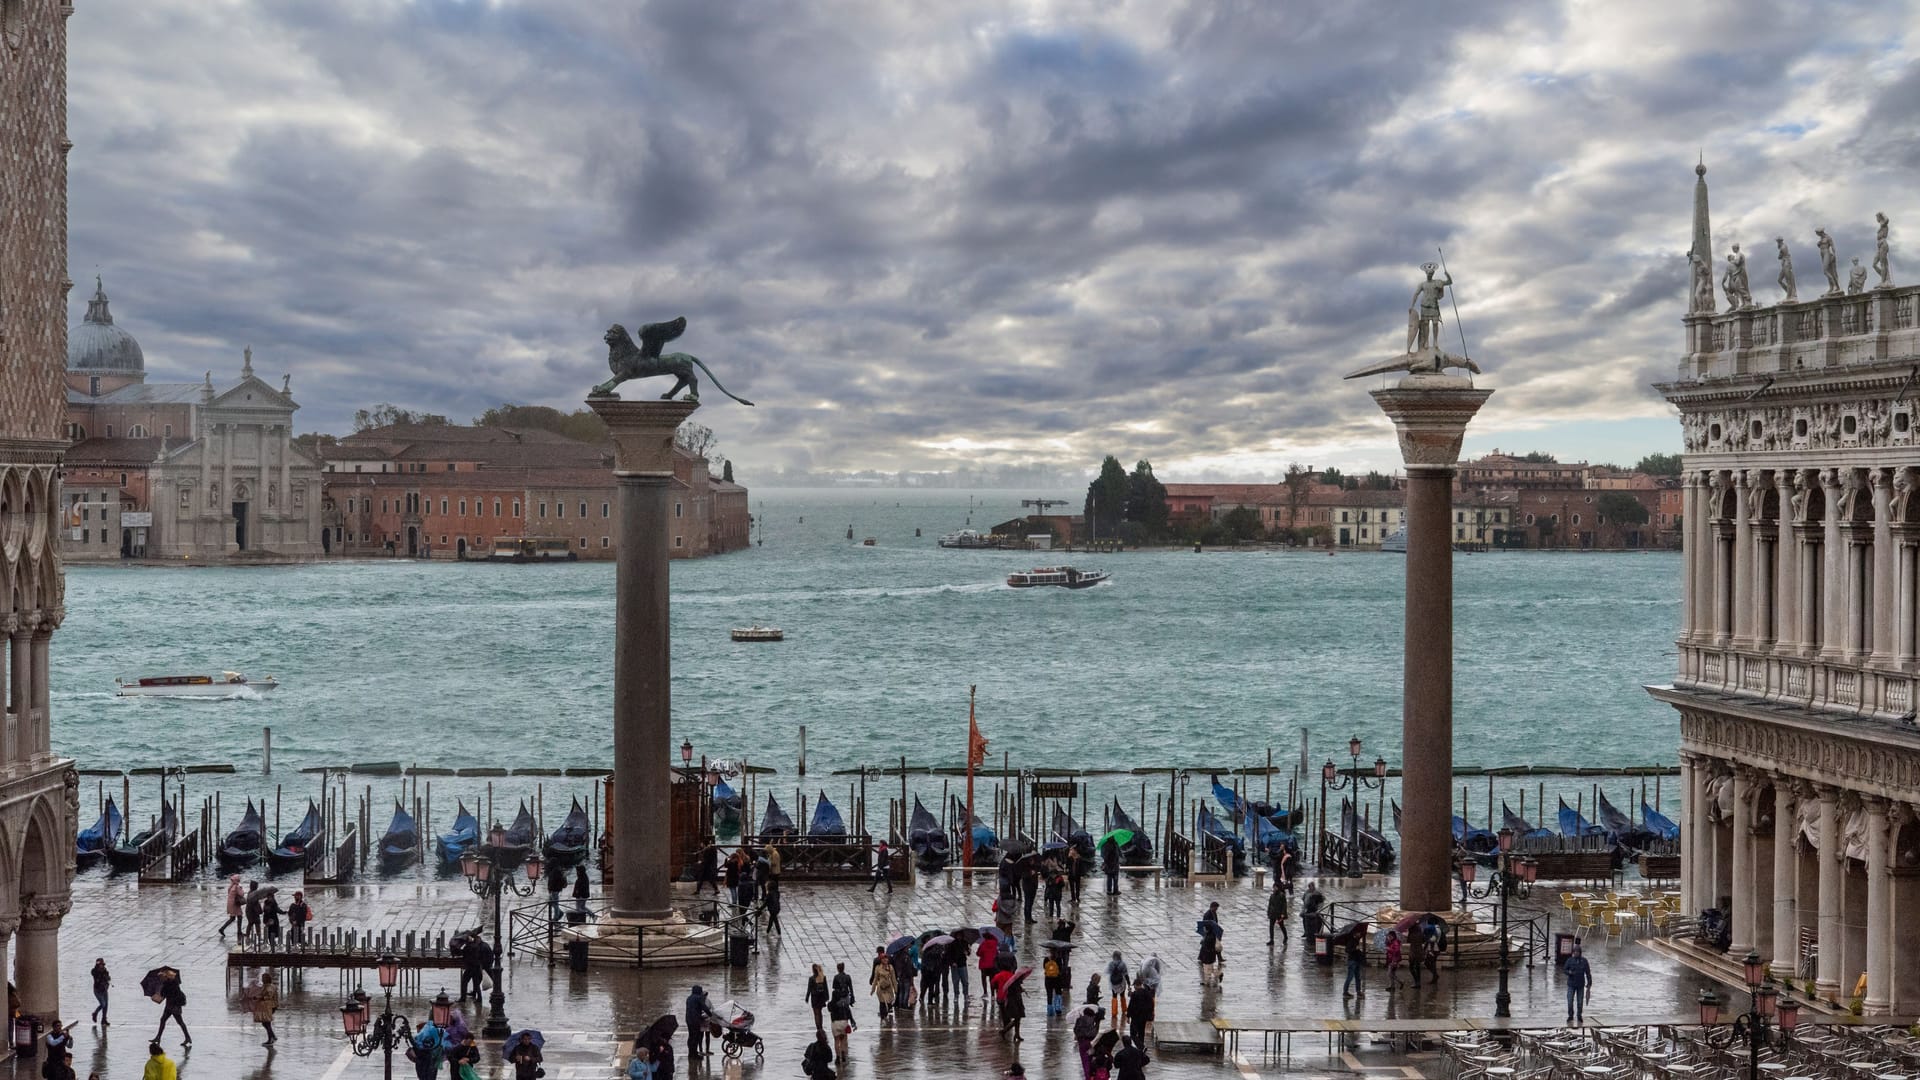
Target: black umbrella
[{"x": 150, "y": 985}]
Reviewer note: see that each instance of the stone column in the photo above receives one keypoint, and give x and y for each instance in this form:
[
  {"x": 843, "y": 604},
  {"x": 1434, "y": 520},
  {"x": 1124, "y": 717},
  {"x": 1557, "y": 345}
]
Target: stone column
[
  {"x": 1832, "y": 864},
  {"x": 10, "y": 751},
  {"x": 1879, "y": 907},
  {"x": 1689, "y": 522},
  {"x": 1786, "y": 944},
  {"x": 226, "y": 468},
  {"x": 1883, "y": 567},
  {"x": 1430, "y": 413},
  {"x": 1742, "y": 871},
  {"x": 37, "y": 956},
  {"x": 1786, "y": 588},
  {"x": 286, "y": 477},
  {"x": 36, "y": 737},
  {"x": 1690, "y": 786},
  {"x": 23, "y": 694},
  {"x": 1742, "y": 585},
  {"x": 1833, "y": 589},
  {"x": 642, "y": 715}
]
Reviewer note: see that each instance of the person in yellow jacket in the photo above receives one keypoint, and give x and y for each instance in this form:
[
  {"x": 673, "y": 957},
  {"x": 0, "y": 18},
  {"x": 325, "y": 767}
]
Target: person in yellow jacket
[{"x": 159, "y": 1065}]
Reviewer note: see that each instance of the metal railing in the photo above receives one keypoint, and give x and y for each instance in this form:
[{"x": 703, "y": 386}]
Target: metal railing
[
  {"x": 1530, "y": 937},
  {"x": 536, "y": 928},
  {"x": 163, "y": 862}
]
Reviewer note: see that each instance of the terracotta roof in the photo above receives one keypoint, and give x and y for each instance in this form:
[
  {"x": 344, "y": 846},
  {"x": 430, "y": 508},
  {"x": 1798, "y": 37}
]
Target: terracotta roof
[
  {"x": 116, "y": 451},
  {"x": 1247, "y": 493},
  {"x": 1367, "y": 497}
]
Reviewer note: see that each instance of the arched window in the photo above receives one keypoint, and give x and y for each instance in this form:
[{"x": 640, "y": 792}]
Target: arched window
[{"x": 137, "y": 431}]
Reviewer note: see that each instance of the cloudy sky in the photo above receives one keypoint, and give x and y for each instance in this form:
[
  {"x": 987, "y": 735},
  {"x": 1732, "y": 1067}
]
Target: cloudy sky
[{"x": 922, "y": 235}]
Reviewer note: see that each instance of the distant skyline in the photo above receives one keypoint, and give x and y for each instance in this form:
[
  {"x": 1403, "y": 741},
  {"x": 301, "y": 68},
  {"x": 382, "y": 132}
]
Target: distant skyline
[{"x": 982, "y": 233}]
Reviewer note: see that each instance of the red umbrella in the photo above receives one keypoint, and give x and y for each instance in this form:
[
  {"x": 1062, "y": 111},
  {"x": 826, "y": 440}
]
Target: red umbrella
[{"x": 1001, "y": 980}]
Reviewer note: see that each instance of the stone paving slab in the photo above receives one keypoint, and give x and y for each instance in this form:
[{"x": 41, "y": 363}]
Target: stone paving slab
[{"x": 589, "y": 1015}]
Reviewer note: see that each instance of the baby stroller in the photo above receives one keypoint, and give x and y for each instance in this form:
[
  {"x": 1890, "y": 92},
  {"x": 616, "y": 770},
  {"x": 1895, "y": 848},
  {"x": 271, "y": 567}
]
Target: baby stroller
[{"x": 736, "y": 1034}]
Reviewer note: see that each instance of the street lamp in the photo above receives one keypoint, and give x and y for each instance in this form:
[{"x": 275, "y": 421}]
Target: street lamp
[
  {"x": 1510, "y": 879},
  {"x": 488, "y": 875},
  {"x": 686, "y": 752},
  {"x": 390, "y": 1032},
  {"x": 1754, "y": 1026},
  {"x": 1332, "y": 780}
]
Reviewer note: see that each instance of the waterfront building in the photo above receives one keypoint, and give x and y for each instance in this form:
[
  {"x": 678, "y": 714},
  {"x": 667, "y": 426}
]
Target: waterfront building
[
  {"x": 453, "y": 491},
  {"x": 1798, "y": 654},
  {"x": 179, "y": 470},
  {"x": 39, "y": 803}
]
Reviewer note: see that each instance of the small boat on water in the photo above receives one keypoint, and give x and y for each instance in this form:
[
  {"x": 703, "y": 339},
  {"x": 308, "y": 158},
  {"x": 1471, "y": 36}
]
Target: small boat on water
[
  {"x": 1395, "y": 542},
  {"x": 968, "y": 538},
  {"x": 1212, "y": 828},
  {"x": 1067, "y": 833},
  {"x": 225, "y": 684},
  {"x": 516, "y": 840},
  {"x": 91, "y": 845},
  {"x": 927, "y": 839},
  {"x": 1137, "y": 851},
  {"x": 776, "y": 822},
  {"x": 1655, "y": 822},
  {"x": 291, "y": 853},
  {"x": 1065, "y": 577},
  {"x": 756, "y": 632},
  {"x": 727, "y": 804},
  {"x": 1522, "y": 828},
  {"x": 126, "y": 856},
  {"x": 400, "y": 844},
  {"x": 242, "y": 847},
  {"x": 567, "y": 844},
  {"x": 826, "y": 819},
  {"x": 457, "y": 840}
]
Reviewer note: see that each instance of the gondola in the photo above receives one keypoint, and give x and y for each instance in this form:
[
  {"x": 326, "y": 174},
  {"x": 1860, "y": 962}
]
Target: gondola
[
  {"x": 1258, "y": 820},
  {"x": 1269, "y": 837},
  {"x": 458, "y": 840},
  {"x": 126, "y": 856},
  {"x": 826, "y": 822},
  {"x": 986, "y": 842},
  {"x": 241, "y": 848},
  {"x": 567, "y": 844},
  {"x": 1617, "y": 824},
  {"x": 1472, "y": 842},
  {"x": 1573, "y": 825},
  {"x": 727, "y": 804},
  {"x": 1351, "y": 824},
  {"x": 1207, "y": 825},
  {"x": 1230, "y": 800},
  {"x": 517, "y": 840},
  {"x": 1137, "y": 851},
  {"x": 927, "y": 839},
  {"x": 1652, "y": 820},
  {"x": 776, "y": 822},
  {"x": 400, "y": 844},
  {"x": 91, "y": 845},
  {"x": 1522, "y": 828},
  {"x": 1067, "y": 833},
  {"x": 291, "y": 853}
]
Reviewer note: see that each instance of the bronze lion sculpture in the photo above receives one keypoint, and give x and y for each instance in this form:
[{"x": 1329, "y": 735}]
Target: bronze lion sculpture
[{"x": 630, "y": 361}]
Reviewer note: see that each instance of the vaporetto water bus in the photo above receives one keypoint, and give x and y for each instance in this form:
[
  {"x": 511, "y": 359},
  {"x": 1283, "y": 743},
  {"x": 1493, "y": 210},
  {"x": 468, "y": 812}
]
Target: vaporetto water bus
[{"x": 225, "y": 684}]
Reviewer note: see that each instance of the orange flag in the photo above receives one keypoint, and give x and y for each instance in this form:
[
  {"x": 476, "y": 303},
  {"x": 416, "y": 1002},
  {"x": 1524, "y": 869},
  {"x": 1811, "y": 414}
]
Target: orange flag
[{"x": 976, "y": 745}]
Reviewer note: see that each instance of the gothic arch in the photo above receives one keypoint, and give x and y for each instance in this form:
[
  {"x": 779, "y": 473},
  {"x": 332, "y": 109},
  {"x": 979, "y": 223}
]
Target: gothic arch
[{"x": 42, "y": 861}]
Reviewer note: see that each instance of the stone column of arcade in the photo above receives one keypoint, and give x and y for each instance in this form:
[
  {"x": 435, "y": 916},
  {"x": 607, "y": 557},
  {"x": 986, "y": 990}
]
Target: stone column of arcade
[
  {"x": 1430, "y": 411},
  {"x": 642, "y": 715}
]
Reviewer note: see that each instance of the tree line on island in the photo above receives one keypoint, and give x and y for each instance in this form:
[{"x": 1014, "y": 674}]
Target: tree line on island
[
  {"x": 583, "y": 425},
  {"x": 1132, "y": 506}
]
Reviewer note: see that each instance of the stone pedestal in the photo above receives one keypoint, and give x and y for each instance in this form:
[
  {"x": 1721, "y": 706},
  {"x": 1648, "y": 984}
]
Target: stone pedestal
[
  {"x": 1430, "y": 412},
  {"x": 642, "y": 706}
]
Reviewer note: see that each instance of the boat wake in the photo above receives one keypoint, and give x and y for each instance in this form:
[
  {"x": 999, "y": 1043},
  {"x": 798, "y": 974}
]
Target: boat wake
[
  {"x": 809, "y": 595},
  {"x": 238, "y": 693}
]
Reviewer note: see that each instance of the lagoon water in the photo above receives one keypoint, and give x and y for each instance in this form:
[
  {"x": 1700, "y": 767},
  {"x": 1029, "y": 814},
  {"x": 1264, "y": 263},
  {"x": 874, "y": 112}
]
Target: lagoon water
[{"x": 1183, "y": 659}]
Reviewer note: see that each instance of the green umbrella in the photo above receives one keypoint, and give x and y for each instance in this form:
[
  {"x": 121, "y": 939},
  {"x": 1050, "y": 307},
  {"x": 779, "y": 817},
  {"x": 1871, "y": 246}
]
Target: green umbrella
[{"x": 1121, "y": 837}]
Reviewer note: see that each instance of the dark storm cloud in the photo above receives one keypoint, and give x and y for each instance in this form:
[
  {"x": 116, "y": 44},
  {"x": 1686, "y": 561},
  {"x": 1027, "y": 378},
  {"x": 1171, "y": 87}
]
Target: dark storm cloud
[{"x": 923, "y": 236}]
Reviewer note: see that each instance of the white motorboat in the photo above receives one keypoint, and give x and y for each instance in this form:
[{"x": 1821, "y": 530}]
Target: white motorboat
[
  {"x": 757, "y": 632},
  {"x": 225, "y": 684}
]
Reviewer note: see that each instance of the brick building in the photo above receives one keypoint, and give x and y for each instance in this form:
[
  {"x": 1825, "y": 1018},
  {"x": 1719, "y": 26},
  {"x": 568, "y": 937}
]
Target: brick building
[{"x": 452, "y": 491}]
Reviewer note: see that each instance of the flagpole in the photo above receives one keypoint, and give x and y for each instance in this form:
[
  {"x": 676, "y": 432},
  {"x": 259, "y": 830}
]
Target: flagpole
[{"x": 966, "y": 844}]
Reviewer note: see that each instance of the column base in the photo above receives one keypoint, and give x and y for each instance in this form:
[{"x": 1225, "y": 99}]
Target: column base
[
  {"x": 638, "y": 915},
  {"x": 669, "y": 940}
]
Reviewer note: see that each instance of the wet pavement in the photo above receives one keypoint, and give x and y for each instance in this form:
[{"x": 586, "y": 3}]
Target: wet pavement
[{"x": 588, "y": 1016}]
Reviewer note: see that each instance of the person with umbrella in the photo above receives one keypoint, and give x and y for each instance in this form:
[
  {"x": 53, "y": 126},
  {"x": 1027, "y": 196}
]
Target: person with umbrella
[
  {"x": 1029, "y": 882},
  {"x": 933, "y": 968},
  {"x": 658, "y": 1039},
  {"x": 882, "y": 983},
  {"x": 523, "y": 1052},
  {"x": 1009, "y": 987},
  {"x": 163, "y": 985},
  {"x": 1131, "y": 1062},
  {"x": 254, "y": 896},
  {"x": 1210, "y": 933},
  {"x": 906, "y": 960},
  {"x": 427, "y": 1051},
  {"x": 1101, "y": 1064},
  {"x": 959, "y": 989}
]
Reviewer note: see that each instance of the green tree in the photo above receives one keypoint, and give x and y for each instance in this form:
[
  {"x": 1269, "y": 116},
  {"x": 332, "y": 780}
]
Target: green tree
[
  {"x": 1299, "y": 483},
  {"x": 1377, "y": 481},
  {"x": 1334, "y": 477},
  {"x": 1146, "y": 502},
  {"x": 385, "y": 413},
  {"x": 1539, "y": 457},
  {"x": 1106, "y": 504},
  {"x": 726, "y": 473},
  {"x": 1659, "y": 465},
  {"x": 582, "y": 424},
  {"x": 1242, "y": 523},
  {"x": 1620, "y": 508}
]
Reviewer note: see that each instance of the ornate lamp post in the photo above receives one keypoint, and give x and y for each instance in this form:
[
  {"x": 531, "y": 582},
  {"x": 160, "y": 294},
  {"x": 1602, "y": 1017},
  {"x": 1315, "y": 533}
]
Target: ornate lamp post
[
  {"x": 390, "y": 1031},
  {"x": 1752, "y": 1027},
  {"x": 686, "y": 753},
  {"x": 488, "y": 876},
  {"x": 1509, "y": 880},
  {"x": 1332, "y": 780}
]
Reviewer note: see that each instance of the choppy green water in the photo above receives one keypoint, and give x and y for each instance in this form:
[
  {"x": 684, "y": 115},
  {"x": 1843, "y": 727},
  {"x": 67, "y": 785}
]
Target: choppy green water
[{"x": 1183, "y": 659}]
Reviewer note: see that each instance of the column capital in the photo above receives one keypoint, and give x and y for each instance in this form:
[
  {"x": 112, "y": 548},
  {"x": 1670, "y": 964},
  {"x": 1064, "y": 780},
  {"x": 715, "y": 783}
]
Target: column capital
[
  {"x": 642, "y": 433},
  {"x": 1430, "y": 414},
  {"x": 44, "y": 912},
  {"x": 1878, "y": 479},
  {"x": 27, "y": 622}
]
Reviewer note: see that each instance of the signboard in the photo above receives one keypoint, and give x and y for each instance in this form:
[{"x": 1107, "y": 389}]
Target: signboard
[
  {"x": 1055, "y": 789},
  {"x": 142, "y": 519}
]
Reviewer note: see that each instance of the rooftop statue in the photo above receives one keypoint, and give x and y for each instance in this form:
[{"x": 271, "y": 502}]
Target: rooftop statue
[
  {"x": 1880, "y": 264},
  {"x": 1734, "y": 281},
  {"x": 1786, "y": 282},
  {"x": 1856, "y": 278},
  {"x": 630, "y": 361},
  {"x": 1423, "y": 354},
  {"x": 1829, "y": 265}
]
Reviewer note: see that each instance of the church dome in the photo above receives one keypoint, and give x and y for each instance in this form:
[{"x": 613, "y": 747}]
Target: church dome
[{"x": 96, "y": 345}]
